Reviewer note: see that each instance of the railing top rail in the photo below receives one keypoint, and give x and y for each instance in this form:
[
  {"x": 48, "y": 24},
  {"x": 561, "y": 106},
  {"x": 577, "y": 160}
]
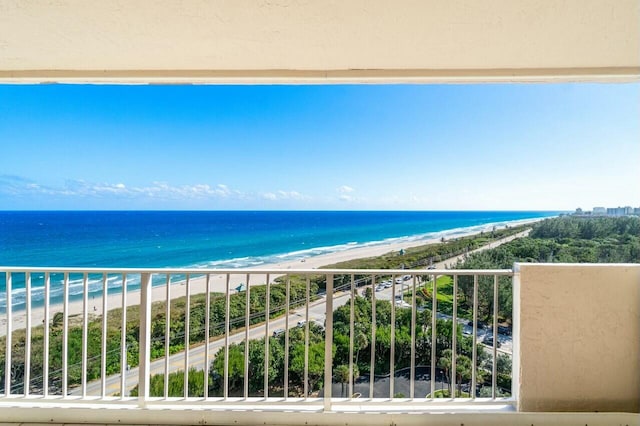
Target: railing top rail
[{"x": 274, "y": 271}]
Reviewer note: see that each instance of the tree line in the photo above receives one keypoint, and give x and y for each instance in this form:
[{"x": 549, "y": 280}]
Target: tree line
[
  {"x": 565, "y": 239},
  {"x": 364, "y": 344},
  {"x": 197, "y": 334}
]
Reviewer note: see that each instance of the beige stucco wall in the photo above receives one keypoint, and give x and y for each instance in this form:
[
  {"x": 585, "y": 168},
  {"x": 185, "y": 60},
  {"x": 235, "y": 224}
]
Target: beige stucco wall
[
  {"x": 579, "y": 337},
  {"x": 319, "y": 41}
]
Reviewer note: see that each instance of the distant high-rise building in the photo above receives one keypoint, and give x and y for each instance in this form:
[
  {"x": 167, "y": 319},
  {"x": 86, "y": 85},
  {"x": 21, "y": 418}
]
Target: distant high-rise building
[
  {"x": 616, "y": 211},
  {"x": 599, "y": 211}
]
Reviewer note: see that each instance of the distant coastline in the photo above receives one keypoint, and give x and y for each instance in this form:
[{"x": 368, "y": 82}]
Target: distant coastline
[
  {"x": 218, "y": 281},
  {"x": 325, "y": 254}
]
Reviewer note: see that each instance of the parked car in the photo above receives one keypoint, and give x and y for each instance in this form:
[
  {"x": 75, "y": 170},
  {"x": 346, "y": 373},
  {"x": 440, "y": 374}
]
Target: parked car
[
  {"x": 278, "y": 332},
  {"x": 504, "y": 330},
  {"x": 402, "y": 304},
  {"x": 489, "y": 341},
  {"x": 301, "y": 323},
  {"x": 478, "y": 323}
]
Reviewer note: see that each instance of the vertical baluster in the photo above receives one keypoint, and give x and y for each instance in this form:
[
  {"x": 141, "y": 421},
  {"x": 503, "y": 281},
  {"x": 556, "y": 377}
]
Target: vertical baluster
[
  {"x": 123, "y": 340},
  {"x": 392, "y": 358},
  {"x": 412, "y": 383},
  {"x": 515, "y": 285},
  {"x": 144, "y": 360},
  {"x": 7, "y": 353},
  {"x": 373, "y": 335},
  {"x": 286, "y": 338},
  {"x": 227, "y": 330},
  {"x": 65, "y": 335},
  {"x": 455, "y": 337},
  {"x": 247, "y": 323},
  {"x": 27, "y": 348},
  {"x": 495, "y": 338},
  {"x": 45, "y": 355},
  {"x": 167, "y": 335},
  {"x": 187, "y": 318},
  {"x": 85, "y": 331},
  {"x": 328, "y": 343},
  {"x": 207, "y": 326},
  {"x": 266, "y": 340},
  {"x": 472, "y": 392},
  {"x": 351, "y": 334},
  {"x": 306, "y": 340},
  {"x": 434, "y": 309},
  {"x": 103, "y": 350}
]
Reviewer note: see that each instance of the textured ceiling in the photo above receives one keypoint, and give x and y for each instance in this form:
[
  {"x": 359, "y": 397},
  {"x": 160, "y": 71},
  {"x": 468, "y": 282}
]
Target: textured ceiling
[{"x": 319, "y": 41}]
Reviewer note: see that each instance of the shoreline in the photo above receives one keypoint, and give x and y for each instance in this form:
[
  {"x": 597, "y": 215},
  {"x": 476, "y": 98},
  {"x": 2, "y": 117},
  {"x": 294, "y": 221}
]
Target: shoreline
[{"x": 218, "y": 281}]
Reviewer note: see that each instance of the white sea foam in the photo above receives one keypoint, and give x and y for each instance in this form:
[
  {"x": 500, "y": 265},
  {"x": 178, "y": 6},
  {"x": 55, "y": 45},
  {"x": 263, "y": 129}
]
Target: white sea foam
[
  {"x": 114, "y": 281},
  {"x": 75, "y": 289}
]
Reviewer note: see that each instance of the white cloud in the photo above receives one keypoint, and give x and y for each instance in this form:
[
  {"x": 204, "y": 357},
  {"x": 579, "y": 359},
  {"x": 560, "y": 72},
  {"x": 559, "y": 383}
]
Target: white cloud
[
  {"x": 15, "y": 185},
  {"x": 197, "y": 191},
  {"x": 345, "y": 193},
  {"x": 291, "y": 195},
  {"x": 18, "y": 186},
  {"x": 283, "y": 195},
  {"x": 344, "y": 189}
]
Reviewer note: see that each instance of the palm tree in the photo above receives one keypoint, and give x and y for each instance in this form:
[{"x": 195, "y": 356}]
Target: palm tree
[
  {"x": 463, "y": 369},
  {"x": 361, "y": 341},
  {"x": 57, "y": 320},
  {"x": 445, "y": 364},
  {"x": 342, "y": 375}
]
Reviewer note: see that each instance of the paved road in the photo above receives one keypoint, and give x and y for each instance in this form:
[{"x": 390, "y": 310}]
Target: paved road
[
  {"x": 197, "y": 354},
  {"x": 401, "y": 384},
  {"x": 316, "y": 313},
  {"x": 506, "y": 342}
]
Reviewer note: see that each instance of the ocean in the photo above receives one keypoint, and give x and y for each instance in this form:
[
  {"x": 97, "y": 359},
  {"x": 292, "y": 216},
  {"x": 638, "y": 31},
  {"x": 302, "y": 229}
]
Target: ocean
[{"x": 209, "y": 239}]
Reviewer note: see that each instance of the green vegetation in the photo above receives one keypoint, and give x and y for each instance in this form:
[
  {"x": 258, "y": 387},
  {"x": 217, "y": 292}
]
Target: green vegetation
[
  {"x": 444, "y": 294},
  {"x": 411, "y": 258},
  {"x": 256, "y": 368},
  {"x": 197, "y": 334},
  {"x": 363, "y": 347},
  {"x": 176, "y": 384},
  {"x": 568, "y": 240},
  {"x": 417, "y": 257},
  {"x": 446, "y": 393},
  {"x": 564, "y": 239}
]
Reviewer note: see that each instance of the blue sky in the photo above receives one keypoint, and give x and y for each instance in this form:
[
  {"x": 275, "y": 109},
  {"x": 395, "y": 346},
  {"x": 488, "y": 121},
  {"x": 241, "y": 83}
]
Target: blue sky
[{"x": 338, "y": 147}]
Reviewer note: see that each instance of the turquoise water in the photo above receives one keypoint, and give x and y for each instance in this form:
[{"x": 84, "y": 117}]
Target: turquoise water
[{"x": 216, "y": 239}]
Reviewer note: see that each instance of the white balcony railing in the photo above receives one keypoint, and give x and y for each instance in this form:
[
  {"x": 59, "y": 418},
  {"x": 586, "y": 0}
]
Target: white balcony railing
[
  {"x": 575, "y": 348},
  {"x": 257, "y": 337}
]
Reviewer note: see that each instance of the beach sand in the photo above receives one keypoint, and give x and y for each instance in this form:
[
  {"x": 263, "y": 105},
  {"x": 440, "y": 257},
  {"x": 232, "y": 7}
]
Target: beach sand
[{"x": 218, "y": 281}]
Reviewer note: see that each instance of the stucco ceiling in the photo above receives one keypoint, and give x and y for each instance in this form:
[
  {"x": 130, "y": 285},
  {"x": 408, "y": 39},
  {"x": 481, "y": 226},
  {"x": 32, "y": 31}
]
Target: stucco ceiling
[{"x": 319, "y": 41}]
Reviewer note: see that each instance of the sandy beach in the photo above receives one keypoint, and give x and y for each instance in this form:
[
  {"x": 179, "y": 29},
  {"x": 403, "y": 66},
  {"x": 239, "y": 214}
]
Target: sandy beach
[{"x": 218, "y": 281}]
